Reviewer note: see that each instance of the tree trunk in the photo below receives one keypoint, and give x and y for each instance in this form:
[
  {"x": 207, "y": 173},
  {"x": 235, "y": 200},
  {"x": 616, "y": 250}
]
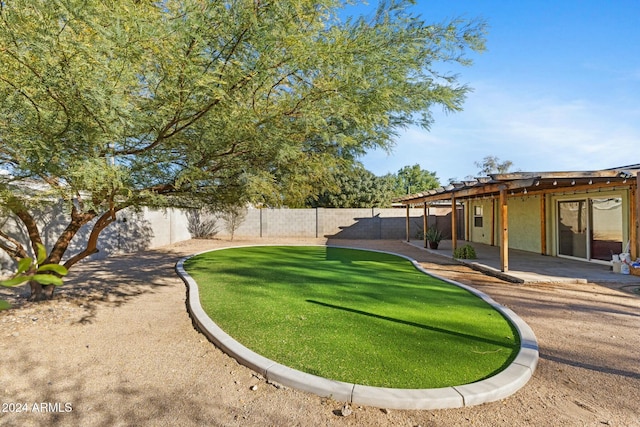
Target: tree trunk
[{"x": 40, "y": 292}]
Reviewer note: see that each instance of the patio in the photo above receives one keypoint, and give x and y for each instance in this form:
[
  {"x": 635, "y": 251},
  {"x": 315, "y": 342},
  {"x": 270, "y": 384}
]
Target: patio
[{"x": 529, "y": 267}]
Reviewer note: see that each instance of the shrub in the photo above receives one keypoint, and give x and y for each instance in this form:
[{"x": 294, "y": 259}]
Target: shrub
[
  {"x": 200, "y": 226},
  {"x": 433, "y": 235},
  {"x": 465, "y": 252}
]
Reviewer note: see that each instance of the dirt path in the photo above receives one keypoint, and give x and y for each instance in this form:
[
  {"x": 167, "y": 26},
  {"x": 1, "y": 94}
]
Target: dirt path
[{"x": 117, "y": 347}]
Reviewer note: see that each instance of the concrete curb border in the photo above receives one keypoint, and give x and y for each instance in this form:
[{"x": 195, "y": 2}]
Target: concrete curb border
[{"x": 497, "y": 387}]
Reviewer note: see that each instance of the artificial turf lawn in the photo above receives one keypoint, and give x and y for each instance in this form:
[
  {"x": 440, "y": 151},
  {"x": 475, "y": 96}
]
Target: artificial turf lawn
[{"x": 351, "y": 315}]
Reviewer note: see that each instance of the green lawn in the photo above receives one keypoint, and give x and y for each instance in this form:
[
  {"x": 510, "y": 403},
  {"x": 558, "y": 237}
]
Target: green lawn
[{"x": 352, "y": 315}]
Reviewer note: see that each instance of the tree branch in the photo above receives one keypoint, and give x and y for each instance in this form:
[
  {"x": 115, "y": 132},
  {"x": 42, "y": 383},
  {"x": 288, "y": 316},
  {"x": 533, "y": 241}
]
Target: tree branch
[
  {"x": 17, "y": 252},
  {"x": 92, "y": 243},
  {"x": 78, "y": 219},
  {"x": 29, "y": 222}
]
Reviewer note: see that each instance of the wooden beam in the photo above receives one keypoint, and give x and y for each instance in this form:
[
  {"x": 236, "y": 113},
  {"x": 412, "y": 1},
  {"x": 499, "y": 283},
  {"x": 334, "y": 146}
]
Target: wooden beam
[
  {"x": 543, "y": 225},
  {"x": 454, "y": 223},
  {"x": 407, "y": 224},
  {"x": 504, "y": 232},
  {"x": 596, "y": 186},
  {"x": 532, "y": 189},
  {"x": 556, "y": 175}
]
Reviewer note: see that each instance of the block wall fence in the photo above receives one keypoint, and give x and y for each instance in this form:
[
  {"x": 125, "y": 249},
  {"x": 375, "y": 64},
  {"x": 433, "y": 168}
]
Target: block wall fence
[
  {"x": 149, "y": 228},
  {"x": 366, "y": 223}
]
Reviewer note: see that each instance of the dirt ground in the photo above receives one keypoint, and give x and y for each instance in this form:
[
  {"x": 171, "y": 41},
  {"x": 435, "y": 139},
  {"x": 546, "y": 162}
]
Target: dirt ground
[{"x": 116, "y": 347}]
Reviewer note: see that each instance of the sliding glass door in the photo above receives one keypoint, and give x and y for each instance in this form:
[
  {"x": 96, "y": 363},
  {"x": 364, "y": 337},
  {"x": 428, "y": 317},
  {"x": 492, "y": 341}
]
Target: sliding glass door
[
  {"x": 572, "y": 228},
  {"x": 606, "y": 228},
  {"x": 590, "y": 228}
]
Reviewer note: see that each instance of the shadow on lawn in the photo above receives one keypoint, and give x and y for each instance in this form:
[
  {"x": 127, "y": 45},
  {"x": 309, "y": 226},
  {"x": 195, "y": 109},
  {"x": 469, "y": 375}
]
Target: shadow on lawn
[{"x": 512, "y": 347}]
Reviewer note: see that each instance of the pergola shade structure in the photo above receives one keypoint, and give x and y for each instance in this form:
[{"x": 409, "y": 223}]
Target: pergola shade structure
[{"x": 581, "y": 214}]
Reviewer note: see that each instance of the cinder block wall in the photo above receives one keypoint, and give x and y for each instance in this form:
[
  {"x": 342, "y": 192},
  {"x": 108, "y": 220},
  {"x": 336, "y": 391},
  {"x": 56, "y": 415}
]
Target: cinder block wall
[
  {"x": 288, "y": 223},
  {"x": 150, "y": 228},
  {"x": 335, "y": 223}
]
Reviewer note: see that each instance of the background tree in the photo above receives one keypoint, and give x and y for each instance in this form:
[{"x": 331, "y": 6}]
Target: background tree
[
  {"x": 492, "y": 164},
  {"x": 356, "y": 187},
  {"x": 111, "y": 105},
  {"x": 414, "y": 179}
]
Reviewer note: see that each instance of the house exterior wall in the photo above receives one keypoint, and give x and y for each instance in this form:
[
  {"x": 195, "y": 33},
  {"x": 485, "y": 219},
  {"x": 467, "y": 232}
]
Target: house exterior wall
[
  {"x": 525, "y": 218},
  {"x": 524, "y": 223},
  {"x": 481, "y": 233}
]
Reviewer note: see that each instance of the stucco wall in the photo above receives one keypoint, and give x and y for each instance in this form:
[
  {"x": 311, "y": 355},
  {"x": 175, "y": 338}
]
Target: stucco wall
[
  {"x": 524, "y": 223},
  {"x": 480, "y": 234}
]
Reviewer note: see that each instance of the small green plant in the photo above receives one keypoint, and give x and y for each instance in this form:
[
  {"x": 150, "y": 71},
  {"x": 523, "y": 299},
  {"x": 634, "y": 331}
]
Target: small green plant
[
  {"x": 433, "y": 236},
  {"x": 30, "y": 269},
  {"x": 465, "y": 252}
]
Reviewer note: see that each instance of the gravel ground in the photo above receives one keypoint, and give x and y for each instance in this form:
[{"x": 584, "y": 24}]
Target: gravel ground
[{"x": 116, "y": 347}]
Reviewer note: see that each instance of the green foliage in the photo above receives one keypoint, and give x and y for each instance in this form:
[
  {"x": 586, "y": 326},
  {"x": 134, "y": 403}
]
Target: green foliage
[
  {"x": 356, "y": 188},
  {"x": 413, "y": 179},
  {"x": 465, "y": 252},
  {"x": 107, "y": 105},
  {"x": 433, "y": 235},
  {"x": 30, "y": 269},
  {"x": 492, "y": 164}
]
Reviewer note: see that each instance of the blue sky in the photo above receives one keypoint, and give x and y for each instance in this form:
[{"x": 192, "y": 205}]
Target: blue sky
[{"x": 557, "y": 89}]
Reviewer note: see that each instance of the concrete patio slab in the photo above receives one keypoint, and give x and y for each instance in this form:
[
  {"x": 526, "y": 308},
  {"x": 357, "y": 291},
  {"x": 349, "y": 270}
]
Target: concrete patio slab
[{"x": 530, "y": 267}]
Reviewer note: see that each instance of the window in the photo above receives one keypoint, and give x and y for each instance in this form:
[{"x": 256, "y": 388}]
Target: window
[{"x": 477, "y": 216}]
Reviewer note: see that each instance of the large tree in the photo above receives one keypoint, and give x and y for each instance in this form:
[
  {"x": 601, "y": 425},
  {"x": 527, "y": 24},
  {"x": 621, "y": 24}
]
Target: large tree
[
  {"x": 356, "y": 187},
  {"x": 106, "y": 105},
  {"x": 414, "y": 179}
]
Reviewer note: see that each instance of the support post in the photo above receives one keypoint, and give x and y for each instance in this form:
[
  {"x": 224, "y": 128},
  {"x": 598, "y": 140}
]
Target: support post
[
  {"x": 425, "y": 222},
  {"x": 635, "y": 219},
  {"x": 504, "y": 232},
  {"x": 407, "y": 224},
  {"x": 454, "y": 224},
  {"x": 493, "y": 221},
  {"x": 543, "y": 225},
  {"x": 467, "y": 219}
]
